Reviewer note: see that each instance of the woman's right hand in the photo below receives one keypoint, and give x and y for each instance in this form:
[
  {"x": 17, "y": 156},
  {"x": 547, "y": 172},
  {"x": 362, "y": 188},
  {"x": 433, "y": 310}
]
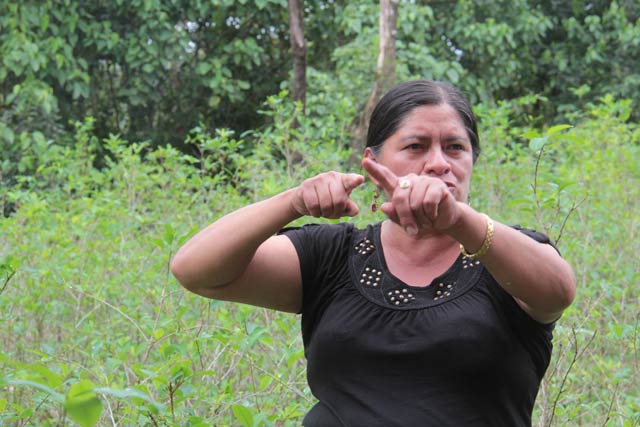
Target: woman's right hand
[{"x": 327, "y": 195}]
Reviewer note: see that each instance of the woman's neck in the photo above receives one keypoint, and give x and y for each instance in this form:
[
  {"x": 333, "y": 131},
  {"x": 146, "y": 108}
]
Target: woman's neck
[
  {"x": 422, "y": 247},
  {"x": 417, "y": 259}
]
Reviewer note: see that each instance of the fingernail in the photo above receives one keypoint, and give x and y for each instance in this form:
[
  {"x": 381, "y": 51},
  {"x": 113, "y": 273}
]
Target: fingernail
[{"x": 411, "y": 230}]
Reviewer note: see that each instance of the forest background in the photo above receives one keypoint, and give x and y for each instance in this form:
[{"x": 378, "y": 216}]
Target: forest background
[{"x": 125, "y": 126}]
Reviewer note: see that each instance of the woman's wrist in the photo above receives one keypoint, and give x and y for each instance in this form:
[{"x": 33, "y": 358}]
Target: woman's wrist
[
  {"x": 486, "y": 243},
  {"x": 288, "y": 197},
  {"x": 471, "y": 230}
]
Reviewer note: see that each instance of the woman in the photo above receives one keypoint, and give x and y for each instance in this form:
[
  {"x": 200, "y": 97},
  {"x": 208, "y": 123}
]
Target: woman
[{"x": 438, "y": 316}]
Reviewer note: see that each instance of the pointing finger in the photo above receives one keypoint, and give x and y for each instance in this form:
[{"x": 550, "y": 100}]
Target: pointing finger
[{"x": 380, "y": 175}]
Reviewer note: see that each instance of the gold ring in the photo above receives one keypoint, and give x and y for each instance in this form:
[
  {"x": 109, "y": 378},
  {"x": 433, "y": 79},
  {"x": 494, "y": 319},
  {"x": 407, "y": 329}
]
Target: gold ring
[{"x": 404, "y": 183}]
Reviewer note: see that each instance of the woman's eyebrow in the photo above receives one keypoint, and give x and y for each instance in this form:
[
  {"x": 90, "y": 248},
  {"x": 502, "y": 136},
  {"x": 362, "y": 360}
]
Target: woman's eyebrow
[
  {"x": 456, "y": 138},
  {"x": 426, "y": 138},
  {"x": 419, "y": 137}
]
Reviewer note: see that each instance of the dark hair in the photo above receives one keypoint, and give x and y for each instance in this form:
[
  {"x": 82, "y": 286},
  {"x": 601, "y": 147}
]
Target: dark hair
[{"x": 394, "y": 107}]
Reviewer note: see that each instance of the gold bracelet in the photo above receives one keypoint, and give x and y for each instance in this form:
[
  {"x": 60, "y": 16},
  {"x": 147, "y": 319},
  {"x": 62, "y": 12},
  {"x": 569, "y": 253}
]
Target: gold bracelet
[{"x": 486, "y": 244}]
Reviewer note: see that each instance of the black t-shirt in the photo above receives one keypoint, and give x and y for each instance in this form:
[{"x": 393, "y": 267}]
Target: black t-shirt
[{"x": 459, "y": 352}]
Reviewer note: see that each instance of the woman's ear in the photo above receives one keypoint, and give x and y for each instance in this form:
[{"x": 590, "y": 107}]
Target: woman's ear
[{"x": 368, "y": 154}]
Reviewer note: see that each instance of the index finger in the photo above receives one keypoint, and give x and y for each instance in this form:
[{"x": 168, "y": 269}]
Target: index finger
[{"x": 380, "y": 175}]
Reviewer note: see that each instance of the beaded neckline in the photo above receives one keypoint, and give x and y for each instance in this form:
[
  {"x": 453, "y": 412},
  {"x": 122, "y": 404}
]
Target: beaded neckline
[{"x": 373, "y": 280}]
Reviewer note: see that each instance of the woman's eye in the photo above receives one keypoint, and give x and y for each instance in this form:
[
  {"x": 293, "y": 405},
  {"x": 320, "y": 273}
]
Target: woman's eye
[
  {"x": 414, "y": 147},
  {"x": 456, "y": 147}
]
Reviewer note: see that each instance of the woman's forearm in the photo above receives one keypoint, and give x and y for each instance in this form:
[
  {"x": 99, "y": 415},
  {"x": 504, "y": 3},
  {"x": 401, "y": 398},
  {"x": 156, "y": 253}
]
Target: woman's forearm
[
  {"x": 531, "y": 272},
  {"x": 222, "y": 251}
]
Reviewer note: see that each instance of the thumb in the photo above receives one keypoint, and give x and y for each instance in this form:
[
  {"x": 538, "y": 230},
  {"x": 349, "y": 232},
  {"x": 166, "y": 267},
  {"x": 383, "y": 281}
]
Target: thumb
[
  {"x": 351, "y": 209},
  {"x": 351, "y": 181}
]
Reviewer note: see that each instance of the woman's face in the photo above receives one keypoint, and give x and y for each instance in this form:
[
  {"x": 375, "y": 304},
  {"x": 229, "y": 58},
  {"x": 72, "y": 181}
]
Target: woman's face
[{"x": 432, "y": 141}]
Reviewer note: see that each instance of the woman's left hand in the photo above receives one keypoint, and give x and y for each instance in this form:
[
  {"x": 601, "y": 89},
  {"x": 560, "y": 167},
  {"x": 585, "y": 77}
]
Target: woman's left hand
[{"x": 416, "y": 202}]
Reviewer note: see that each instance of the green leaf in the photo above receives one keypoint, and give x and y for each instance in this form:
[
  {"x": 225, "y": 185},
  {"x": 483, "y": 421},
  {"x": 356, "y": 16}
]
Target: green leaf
[
  {"x": 129, "y": 393},
  {"x": 159, "y": 243},
  {"x": 169, "y": 234},
  {"x": 617, "y": 329},
  {"x": 243, "y": 414},
  {"x": 44, "y": 22},
  {"x": 6, "y": 133},
  {"x": 565, "y": 184},
  {"x": 60, "y": 60},
  {"x": 536, "y": 144},
  {"x": 572, "y": 138},
  {"x": 531, "y": 133},
  {"x": 53, "y": 380},
  {"x": 555, "y": 129},
  {"x": 452, "y": 75},
  {"x": 35, "y": 65},
  {"x": 55, "y": 395},
  {"x": 203, "y": 68},
  {"x": 38, "y": 138},
  {"x": 82, "y": 404}
]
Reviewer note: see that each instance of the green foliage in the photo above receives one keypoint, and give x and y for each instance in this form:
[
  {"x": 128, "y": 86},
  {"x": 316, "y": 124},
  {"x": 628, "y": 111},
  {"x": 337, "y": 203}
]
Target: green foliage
[
  {"x": 485, "y": 47},
  {"x": 596, "y": 51},
  {"x": 152, "y": 70},
  {"x": 146, "y": 70},
  {"x": 571, "y": 52}
]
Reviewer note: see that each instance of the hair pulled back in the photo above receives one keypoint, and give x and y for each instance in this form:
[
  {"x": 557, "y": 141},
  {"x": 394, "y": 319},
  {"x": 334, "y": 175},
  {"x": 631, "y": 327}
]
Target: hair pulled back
[{"x": 394, "y": 107}]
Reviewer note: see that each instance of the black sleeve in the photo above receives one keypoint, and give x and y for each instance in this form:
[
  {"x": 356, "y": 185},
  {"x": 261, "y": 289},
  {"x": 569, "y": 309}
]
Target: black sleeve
[
  {"x": 322, "y": 251},
  {"x": 534, "y": 336},
  {"x": 536, "y": 235}
]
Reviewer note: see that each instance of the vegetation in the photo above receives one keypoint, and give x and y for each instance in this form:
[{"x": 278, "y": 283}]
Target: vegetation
[
  {"x": 115, "y": 150},
  {"x": 151, "y": 70}
]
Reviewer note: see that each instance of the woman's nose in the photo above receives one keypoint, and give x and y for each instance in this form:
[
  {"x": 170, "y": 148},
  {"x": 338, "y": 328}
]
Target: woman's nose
[{"x": 436, "y": 162}]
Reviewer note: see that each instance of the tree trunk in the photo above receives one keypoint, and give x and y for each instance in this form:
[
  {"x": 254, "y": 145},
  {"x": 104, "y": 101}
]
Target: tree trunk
[
  {"x": 385, "y": 71},
  {"x": 299, "y": 49}
]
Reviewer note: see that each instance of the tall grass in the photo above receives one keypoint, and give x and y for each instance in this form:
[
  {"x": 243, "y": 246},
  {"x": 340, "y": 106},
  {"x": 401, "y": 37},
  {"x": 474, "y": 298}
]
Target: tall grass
[{"x": 96, "y": 330}]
